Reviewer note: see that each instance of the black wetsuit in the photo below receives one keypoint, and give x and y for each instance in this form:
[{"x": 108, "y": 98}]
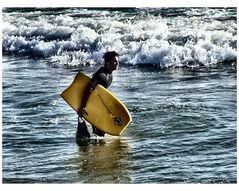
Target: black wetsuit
[{"x": 103, "y": 77}]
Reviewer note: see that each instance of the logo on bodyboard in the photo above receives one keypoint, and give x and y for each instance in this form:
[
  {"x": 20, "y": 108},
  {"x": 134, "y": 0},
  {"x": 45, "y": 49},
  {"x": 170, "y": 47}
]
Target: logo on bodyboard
[{"x": 117, "y": 120}]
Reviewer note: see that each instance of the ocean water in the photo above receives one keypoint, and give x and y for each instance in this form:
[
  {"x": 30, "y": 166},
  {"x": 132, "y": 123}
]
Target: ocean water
[{"x": 177, "y": 76}]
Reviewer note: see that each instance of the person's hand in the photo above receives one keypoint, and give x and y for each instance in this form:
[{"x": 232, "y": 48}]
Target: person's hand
[{"x": 82, "y": 111}]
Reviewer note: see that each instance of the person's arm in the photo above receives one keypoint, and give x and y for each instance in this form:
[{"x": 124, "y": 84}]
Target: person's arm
[
  {"x": 91, "y": 85},
  {"x": 86, "y": 95}
]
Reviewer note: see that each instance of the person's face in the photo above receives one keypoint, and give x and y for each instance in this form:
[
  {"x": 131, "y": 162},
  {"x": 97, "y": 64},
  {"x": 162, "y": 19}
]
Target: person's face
[{"x": 113, "y": 63}]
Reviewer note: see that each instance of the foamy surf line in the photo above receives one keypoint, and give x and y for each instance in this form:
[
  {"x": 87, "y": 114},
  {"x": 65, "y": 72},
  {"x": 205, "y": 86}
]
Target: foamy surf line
[{"x": 165, "y": 37}]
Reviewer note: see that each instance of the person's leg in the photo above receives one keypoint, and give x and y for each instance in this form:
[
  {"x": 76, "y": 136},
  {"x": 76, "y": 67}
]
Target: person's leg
[
  {"x": 82, "y": 131},
  {"x": 98, "y": 132}
]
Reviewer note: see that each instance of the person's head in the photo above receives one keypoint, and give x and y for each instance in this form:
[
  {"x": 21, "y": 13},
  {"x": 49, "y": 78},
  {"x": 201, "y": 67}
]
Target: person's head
[{"x": 111, "y": 60}]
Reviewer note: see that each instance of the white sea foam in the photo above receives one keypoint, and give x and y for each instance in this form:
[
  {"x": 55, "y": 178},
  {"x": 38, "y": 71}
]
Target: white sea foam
[{"x": 83, "y": 36}]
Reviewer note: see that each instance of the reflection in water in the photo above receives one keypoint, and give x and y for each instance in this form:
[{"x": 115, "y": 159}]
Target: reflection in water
[{"x": 103, "y": 161}]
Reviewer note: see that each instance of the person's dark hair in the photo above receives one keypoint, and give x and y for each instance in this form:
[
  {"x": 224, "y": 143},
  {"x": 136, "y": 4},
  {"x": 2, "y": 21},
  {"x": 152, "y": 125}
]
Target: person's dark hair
[{"x": 108, "y": 55}]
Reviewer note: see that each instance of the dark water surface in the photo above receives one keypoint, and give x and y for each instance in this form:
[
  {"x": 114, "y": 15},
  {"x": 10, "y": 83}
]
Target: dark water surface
[{"x": 183, "y": 130}]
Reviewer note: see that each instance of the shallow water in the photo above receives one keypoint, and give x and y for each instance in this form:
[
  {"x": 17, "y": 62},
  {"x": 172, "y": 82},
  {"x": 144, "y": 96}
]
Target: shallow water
[{"x": 183, "y": 130}]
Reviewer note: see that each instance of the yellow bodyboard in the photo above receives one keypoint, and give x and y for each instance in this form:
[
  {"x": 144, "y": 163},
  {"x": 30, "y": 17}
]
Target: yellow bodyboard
[{"x": 105, "y": 111}]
